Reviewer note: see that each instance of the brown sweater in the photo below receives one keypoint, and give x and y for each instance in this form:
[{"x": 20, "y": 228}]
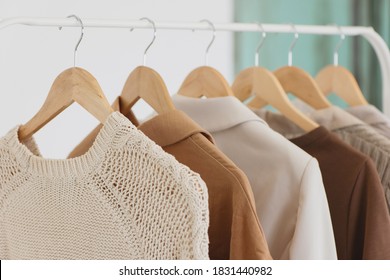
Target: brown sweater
[{"x": 235, "y": 231}]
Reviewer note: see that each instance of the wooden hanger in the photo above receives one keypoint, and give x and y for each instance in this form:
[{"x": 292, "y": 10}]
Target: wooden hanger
[
  {"x": 143, "y": 82},
  {"x": 205, "y": 81},
  {"x": 298, "y": 82},
  {"x": 265, "y": 86},
  {"x": 72, "y": 85},
  {"x": 340, "y": 81},
  {"x": 267, "y": 90},
  {"x": 337, "y": 79}
]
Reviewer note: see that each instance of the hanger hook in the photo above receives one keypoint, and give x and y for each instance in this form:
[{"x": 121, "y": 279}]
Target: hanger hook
[
  {"x": 296, "y": 36},
  {"x": 154, "y": 36},
  {"x": 81, "y": 37},
  {"x": 211, "y": 42},
  {"x": 261, "y": 43},
  {"x": 336, "y": 49}
]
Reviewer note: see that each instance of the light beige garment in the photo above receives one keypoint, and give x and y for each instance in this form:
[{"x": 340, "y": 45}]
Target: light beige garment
[
  {"x": 125, "y": 198},
  {"x": 370, "y": 115}
]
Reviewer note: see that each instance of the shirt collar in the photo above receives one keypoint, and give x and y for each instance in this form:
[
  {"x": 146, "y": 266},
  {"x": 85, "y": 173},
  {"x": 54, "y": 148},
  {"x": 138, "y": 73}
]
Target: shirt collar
[
  {"x": 334, "y": 118},
  {"x": 171, "y": 127},
  {"x": 215, "y": 114},
  {"x": 166, "y": 128},
  {"x": 369, "y": 114}
]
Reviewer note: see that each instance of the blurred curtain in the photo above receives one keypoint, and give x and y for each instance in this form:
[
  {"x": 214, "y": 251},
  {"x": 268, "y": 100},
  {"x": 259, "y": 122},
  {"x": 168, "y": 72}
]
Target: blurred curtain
[{"x": 375, "y": 13}]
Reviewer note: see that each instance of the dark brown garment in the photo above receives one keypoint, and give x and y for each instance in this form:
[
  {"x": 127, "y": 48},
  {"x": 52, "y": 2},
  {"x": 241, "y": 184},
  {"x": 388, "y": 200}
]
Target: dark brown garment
[
  {"x": 356, "y": 199},
  {"x": 235, "y": 231}
]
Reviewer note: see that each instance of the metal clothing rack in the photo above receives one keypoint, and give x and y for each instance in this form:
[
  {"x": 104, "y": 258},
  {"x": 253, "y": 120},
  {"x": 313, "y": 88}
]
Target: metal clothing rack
[{"x": 376, "y": 41}]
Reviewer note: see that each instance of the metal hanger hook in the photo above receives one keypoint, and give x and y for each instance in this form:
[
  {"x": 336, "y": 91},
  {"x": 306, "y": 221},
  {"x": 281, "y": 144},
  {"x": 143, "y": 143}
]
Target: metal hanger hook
[
  {"x": 154, "y": 36},
  {"x": 336, "y": 49},
  {"x": 296, "y": 36},
  {"x": 261, "y": 43},
  {"x": 211, "y": 42},
  {"x": 81, "y": 37}
]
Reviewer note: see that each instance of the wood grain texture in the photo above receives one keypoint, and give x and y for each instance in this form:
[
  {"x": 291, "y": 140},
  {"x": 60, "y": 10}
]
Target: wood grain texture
[
  {"x": 72, "y": 85},
  {"x": 340, "y": 81},
  {"x": 205, "y": 81}
]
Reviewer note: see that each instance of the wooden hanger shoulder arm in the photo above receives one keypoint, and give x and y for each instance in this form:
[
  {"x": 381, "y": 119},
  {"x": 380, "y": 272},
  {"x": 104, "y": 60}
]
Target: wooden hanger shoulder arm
[
  {"x": 73, "y": 84},
  {"x": 339, "y": 80},
  {"x": 302, "y": 85},
  {"x": 144, "y": 82},
  {"x": 205, "y": 81}
]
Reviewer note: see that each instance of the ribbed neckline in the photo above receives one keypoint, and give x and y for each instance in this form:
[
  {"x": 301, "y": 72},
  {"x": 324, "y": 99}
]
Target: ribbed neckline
[{"x": 74, "y": 167}]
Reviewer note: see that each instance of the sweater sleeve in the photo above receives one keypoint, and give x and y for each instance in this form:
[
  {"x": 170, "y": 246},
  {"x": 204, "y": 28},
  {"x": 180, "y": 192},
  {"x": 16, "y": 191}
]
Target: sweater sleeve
[
  {"x": 369, "y": 221},
  {"x": 313, "y": 237}
]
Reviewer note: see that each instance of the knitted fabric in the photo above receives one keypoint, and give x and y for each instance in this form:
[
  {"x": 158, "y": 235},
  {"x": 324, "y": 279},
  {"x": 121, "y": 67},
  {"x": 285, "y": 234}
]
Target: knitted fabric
[
  {"x": 123, "y": 199},
  {"x": 368, "y": 141}
]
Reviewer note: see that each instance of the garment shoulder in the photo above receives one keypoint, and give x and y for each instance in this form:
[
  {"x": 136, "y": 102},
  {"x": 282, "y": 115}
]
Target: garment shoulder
[
  {"x": 140, "y": 169},
  {"x": 140, "y": 152},
  {"x": 216, "y": 157},
  {"x": 365, "y": 135},
  {"x": 262, "y": 139},
  {"x": 312, "y": 169},
  {"x": 8, "y": 163}
]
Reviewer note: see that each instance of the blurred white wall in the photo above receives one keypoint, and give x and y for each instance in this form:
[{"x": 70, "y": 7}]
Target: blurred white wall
[{"x": 31, "y": 57}]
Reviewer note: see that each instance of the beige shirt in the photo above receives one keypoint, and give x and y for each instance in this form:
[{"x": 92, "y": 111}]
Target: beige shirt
[
  {"x": 287, "y": 185},
  {"x": 373, "y": 117},
  {"x": 235, "y": 231}
]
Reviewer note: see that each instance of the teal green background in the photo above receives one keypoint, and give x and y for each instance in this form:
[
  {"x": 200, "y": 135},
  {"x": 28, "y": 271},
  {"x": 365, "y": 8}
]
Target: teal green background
[{"x": 313, "y": 52}]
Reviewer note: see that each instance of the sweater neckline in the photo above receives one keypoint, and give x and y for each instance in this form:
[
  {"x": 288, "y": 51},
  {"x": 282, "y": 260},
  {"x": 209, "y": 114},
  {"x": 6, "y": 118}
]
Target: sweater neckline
[{"x": 28, "y": 157}]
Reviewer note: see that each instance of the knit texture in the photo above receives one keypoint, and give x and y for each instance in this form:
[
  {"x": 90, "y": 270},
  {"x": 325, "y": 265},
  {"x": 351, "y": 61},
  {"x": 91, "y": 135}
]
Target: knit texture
[
  {"x": 123, "y": 199},
  {"x": 366, "y": 140}
]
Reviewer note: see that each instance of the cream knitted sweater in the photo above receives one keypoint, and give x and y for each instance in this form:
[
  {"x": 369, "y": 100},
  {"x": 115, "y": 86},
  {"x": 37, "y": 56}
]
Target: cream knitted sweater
[{"x": 124, "y": 199}]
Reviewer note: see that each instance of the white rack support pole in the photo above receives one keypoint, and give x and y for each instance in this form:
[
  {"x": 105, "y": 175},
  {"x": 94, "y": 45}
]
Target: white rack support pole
[{"x": 375, "y": 40}]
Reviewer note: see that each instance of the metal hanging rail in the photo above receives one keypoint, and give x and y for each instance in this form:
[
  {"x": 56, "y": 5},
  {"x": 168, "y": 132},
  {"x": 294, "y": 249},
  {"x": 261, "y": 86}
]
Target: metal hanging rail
[{"x": 376, "y": 41}]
